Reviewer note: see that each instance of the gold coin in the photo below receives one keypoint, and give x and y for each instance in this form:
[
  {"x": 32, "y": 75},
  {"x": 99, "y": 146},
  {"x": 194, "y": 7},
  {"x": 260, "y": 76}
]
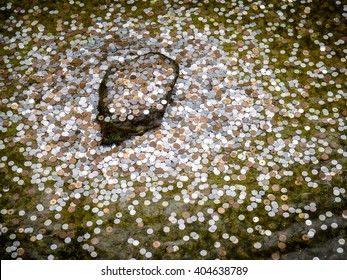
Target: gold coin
[
  {"x": 20, "y": 251},
  {"x": 305, "y": 237},
  {"x": 109, "y": 229},
  {"x": 281, "y": 245}
]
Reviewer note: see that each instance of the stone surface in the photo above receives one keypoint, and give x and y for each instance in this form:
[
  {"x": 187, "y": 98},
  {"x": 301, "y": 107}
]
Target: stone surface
[{"x": 133, "y": 96}]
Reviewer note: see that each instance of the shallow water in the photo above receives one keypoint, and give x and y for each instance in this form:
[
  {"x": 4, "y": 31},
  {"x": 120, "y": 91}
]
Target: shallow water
[{"x": 250, "y": 159}]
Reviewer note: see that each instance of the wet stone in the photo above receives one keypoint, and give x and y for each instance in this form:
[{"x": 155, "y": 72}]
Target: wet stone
[{"x": 133, "y": 96}]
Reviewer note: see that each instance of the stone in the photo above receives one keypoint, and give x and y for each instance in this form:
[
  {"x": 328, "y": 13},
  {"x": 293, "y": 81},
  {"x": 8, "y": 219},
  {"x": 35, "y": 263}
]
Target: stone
[{"x": 133, "y": 96}]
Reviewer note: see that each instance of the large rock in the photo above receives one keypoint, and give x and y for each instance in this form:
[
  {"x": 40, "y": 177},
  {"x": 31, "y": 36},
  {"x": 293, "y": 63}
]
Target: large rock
[{"x": 133, "y": 97}]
